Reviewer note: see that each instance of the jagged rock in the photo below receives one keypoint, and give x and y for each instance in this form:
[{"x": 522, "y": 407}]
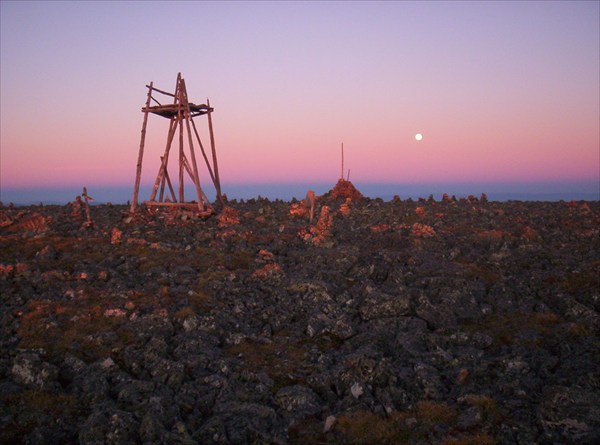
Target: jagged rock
[
  {"x": 438, "y": 315},
  {"x": 298, "y": 400},
  {"x": 169, "y": 372},
  {"x": 30, "y": 370},
  {"x": 379, "y": 305},
  {"x": 151, "y": 430},
  {"x": 429, "y": 379},
  {"x": 469, "y": 418},
  {"x": 109, "y": 426},
  {"x": 329, "y": 423},
  {"x": 338, "y": 324},
  {"x": 570, "y": 414},
  {"x": 234, "y": 423}
]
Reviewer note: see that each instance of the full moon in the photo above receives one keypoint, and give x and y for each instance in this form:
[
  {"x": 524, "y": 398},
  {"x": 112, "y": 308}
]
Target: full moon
[{"x": 418, "y": 136}]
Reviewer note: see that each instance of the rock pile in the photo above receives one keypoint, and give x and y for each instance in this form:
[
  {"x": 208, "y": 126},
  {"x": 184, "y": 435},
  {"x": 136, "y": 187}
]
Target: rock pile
[
  {"x": 467, "y": 322},
  {"x": 344, "y": 189}
]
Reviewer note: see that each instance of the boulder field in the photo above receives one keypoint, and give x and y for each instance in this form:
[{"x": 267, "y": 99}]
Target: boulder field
[{"x": 437, "y": 322}]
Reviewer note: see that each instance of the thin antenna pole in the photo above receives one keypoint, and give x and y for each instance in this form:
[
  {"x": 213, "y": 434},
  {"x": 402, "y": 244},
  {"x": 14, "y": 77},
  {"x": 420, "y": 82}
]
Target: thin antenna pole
[{"x": 342, "y": 176}]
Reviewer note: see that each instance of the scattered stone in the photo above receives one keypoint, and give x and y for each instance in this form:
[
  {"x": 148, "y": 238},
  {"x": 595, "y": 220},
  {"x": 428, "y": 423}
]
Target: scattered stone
[
  {"x": 329, "y": 423},
  {"x": 356, "y": 390}
]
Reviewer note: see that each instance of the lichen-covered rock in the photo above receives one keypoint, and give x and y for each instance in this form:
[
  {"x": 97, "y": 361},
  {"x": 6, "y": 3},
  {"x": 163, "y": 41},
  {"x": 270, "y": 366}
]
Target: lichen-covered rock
[
  {"x": 30, "y": 370},
  {"x": 109, "y": 426},
  {"x": 379, "y": 305},
  {"x": 298, "y": 400}
]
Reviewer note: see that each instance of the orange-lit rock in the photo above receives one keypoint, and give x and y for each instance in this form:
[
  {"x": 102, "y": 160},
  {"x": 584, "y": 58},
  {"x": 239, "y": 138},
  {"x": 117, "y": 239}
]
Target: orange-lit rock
[
  {"x": 319, "y": 233},
  {"x": 298, "y": 210},
  {"x": 422, "y": 230},
  {"x": 345, "y": 189},
  {"x": 304, "y": 208},
  {"x": 115, "y": 236},
  {"x": 30, "y": 223},
  {"x": 266, "y": 256},
  {"x": 5, "y": 220},
  {"x": 325, "y": 221},
  {"x": 228, "y": 217},
  {"x": 76, "y": 207},
  {"x": 268, "y": 270},
  {"x": 114, "y": 313},
  {"x": 380, "y": 228},
  {"x": 420, "y": 211},
  {"x": 103, "y": 275},
  {"x": 345, "y": 207}
]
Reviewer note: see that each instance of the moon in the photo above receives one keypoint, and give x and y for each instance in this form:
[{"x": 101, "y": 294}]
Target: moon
[{"x": 418, "y": 136}]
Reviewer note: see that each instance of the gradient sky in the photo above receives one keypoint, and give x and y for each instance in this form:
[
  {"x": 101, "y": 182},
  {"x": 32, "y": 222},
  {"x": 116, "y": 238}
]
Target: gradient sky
[{"x": 501, "y": 91}]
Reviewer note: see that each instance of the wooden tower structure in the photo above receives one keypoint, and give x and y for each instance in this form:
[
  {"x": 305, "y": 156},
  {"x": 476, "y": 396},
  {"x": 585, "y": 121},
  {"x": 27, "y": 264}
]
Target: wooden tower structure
[{"x": 181, "y": 113}]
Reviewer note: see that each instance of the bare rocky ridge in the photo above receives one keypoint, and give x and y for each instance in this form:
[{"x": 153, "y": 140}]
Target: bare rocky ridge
[{"x": 442, "y": 322}]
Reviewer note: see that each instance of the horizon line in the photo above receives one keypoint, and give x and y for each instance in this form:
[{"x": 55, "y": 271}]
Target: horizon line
[{"x": 588, "y": 190}]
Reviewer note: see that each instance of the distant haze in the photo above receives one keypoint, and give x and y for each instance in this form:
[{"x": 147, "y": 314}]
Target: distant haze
[{"x": 585, "y": 190}]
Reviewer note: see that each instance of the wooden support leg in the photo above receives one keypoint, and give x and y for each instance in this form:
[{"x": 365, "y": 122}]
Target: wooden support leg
[
  {"x": 164, "y": 159},
  {"x": 138, "y": 174},
  {"x": 196, "y": 178},
  {"x": 217, "y": 180}
]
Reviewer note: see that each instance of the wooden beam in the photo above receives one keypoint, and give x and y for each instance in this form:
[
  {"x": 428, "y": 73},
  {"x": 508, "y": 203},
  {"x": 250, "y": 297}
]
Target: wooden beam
[
  {"x": 160, "y": 91},
  {"x": 210, "y": 171},
  {"x": 181, "y": 156},
  {"x": 165, "y": 158},
  {"x": 162, "y": 185},
  {"x": 199, "y": 192},
  {"x": 170, "y": 186},
  {"x": 138, "y": 173},
  {"x": 188, "y": 169},
  {"x": 217, "y": 180}
]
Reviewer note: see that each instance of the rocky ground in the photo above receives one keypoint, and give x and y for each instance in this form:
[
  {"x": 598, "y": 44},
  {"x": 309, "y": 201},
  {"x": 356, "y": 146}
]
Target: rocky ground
[{"x": 439, "y": 322}]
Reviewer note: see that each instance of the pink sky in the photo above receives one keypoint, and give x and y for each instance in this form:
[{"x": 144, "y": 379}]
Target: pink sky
[{"x": 505, "y": 91}]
